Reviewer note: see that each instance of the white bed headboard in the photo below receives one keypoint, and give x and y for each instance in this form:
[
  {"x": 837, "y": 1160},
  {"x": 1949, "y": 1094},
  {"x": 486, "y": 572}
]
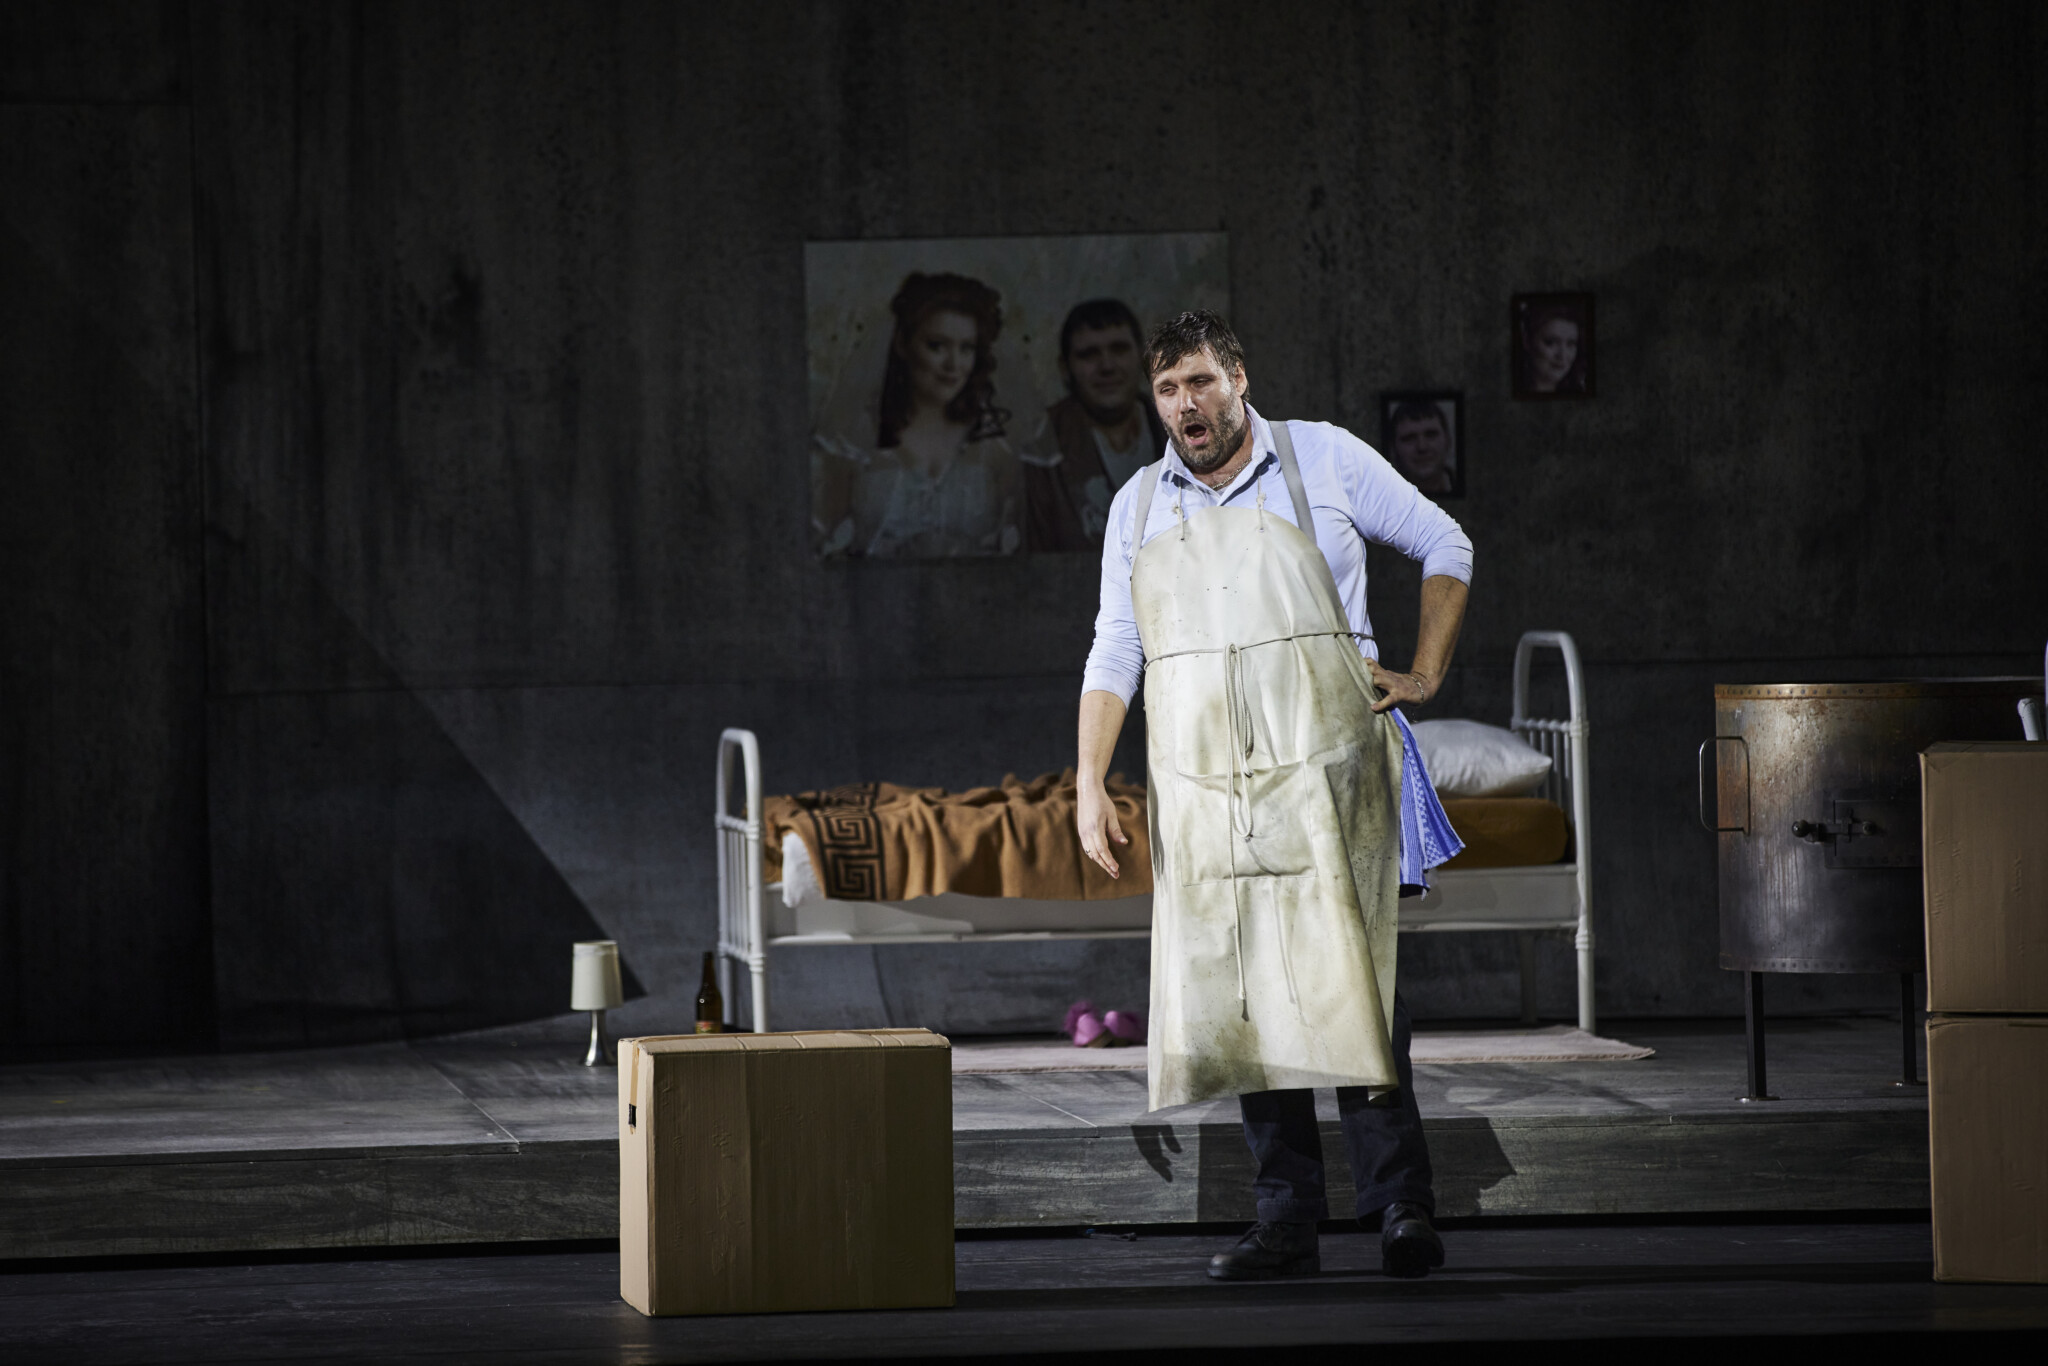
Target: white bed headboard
[{"x": 1563, "y": 739}]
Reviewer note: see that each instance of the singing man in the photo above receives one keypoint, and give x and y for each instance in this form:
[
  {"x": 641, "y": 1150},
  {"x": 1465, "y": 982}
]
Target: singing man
[{"x": 1288, "y": 805}]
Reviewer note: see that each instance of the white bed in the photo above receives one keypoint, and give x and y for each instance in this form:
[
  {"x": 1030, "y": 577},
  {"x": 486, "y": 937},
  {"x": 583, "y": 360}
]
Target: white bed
[{"x": 755, "y": 918}]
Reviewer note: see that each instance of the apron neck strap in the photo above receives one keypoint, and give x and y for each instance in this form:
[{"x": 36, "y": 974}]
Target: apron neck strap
[
  {"x": 1283, "y": 445},
  {"x": 1148, "y": 484}
]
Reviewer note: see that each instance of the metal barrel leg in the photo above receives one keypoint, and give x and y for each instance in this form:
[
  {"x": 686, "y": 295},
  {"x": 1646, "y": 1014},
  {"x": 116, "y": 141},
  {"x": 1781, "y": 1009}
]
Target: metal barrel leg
[
  {"x": 1527, "y": 946},
  {"x": 1909, "y": 1033},
  {"x": 1753, "y": 1015},
  {"x": 1586, "y": 1021}
]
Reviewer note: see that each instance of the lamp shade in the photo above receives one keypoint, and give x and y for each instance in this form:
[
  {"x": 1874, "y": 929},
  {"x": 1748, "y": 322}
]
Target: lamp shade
[{"x": 594, "y": 982}]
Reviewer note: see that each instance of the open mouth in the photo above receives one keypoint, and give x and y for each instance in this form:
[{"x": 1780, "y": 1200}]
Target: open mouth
[{"x": 1194, "y": 433}]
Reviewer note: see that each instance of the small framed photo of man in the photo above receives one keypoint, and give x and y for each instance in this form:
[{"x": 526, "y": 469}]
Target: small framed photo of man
[
  {"x": 1553, "y": 345},
  {"x": 1423, "y": 436}
]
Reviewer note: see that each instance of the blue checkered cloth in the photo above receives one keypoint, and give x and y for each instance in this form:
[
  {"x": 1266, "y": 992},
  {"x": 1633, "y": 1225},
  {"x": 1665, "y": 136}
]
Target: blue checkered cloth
[{"x": 1427, "y": 838}]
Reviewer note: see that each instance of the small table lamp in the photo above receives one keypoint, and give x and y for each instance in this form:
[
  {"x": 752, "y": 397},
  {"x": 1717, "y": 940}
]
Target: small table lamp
[{"x": 594, "y": 986}]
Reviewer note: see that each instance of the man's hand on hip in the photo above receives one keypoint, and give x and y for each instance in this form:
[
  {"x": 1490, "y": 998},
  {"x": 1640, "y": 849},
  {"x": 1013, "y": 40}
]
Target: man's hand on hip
[
  {"x": 1095, "y": 813},
  {"x": 1399, "y": 689},
  {"x": 1443, "y": 612}
]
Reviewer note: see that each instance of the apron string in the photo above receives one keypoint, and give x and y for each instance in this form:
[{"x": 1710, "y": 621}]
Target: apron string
[
  {"x": 1237, "y": 724},
  {"x": 1242, "y": 737},
  {"x": 1253, "y": 645}
]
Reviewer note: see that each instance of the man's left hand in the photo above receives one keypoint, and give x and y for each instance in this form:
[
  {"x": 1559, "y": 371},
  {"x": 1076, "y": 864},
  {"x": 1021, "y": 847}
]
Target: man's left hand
[{"x": 1397, "y": 689}]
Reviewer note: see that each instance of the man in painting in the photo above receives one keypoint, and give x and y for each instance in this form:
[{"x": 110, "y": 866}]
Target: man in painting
[
  {"x": 1104, "y": 429},
  {"x": 1422, "y": 445},
  {"x": 1287, "y": 804}
]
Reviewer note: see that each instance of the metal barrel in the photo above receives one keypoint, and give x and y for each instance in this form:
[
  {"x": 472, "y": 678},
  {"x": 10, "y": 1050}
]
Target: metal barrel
[{"x": 1814, "y": 790}]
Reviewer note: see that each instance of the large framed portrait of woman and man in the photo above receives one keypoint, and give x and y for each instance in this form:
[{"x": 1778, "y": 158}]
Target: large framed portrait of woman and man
[{"x": 987, "y": 396}]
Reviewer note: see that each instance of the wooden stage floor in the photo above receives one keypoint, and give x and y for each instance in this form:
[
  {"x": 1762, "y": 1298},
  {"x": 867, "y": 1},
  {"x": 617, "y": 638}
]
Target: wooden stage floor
[
  {"x": 505, "y": 1137},
  {"x": 1718, "y": 1292}
]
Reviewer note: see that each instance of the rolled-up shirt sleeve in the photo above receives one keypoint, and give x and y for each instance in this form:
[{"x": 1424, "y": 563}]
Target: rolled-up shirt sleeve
[
  {"x": 1389, "y": 510},
  {"x": 1116, "y": 661}
]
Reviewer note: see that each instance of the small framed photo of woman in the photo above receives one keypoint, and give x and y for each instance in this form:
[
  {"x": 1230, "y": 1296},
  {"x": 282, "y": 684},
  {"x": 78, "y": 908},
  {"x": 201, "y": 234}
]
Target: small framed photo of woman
[
  {"x": 1422, "y": 434},
  {"x": 1553, "y": 345}
]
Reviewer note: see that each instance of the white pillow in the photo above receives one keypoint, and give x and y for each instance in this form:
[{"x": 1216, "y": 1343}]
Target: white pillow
[{"x": 1473, "y": 759}]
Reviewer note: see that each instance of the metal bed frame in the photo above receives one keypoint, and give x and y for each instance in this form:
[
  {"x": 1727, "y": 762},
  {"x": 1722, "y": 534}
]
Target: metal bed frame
[
  {"x": 2033, "y": 720},
  {"x": 1547, "y": 899},
  {"x": 1551, "y": 898}
]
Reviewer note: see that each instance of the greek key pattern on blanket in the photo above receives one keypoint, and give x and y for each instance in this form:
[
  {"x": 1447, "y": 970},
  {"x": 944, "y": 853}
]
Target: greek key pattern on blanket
[{"x": 849, "y": 839}]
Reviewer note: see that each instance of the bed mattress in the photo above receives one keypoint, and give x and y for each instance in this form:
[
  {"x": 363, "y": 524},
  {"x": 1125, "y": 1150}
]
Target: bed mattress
[
  {"x": 797, "y": 905},
  {"x": 952, "y": 913},
  {"x": 1507, "y": 832}
]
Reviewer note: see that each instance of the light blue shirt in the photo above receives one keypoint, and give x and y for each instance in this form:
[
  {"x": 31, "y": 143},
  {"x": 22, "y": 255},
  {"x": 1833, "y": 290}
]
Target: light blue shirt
[{"x": 1354, "y": 496}]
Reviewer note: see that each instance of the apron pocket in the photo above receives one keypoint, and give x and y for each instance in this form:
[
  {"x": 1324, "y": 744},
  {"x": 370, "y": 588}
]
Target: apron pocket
[{"x": 1270, "y": 805}]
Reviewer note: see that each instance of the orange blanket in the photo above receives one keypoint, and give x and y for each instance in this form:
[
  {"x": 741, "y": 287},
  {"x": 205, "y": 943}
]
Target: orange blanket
[
  {"x": 1508, "y": 832},
  {"x": 882, "y": 842}
]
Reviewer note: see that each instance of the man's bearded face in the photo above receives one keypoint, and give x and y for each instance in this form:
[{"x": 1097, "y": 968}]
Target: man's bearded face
[{"x": 1202, "y": 409}]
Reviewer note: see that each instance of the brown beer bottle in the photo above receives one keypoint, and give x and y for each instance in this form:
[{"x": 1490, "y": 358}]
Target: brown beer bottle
[{"x": 710, "y": 1004}]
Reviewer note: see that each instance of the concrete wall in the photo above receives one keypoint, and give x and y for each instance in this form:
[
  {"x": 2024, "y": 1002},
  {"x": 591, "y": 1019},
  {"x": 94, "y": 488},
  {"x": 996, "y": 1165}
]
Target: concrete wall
[
  {"x": 104, "y": 925},
  {"x": 498, "y": 316}
]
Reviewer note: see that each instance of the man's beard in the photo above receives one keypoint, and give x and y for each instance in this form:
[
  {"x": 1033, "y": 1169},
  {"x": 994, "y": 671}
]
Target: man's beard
[{"x": 1224, "y": 439}]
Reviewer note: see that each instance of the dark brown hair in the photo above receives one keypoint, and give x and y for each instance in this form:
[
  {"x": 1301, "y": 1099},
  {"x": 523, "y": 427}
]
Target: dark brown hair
[
  {"x": 1417, "y": 410},
  {"x": 1534, "y": 317},
  {"x": 921, "y": 296},
  {"x": 1099, "y": 315},
  {"x": 1196, "y": 330}
]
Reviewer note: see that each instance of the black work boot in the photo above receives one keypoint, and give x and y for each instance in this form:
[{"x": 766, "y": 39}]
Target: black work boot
[
  {"x": 1269, "y": 1250},
  {"x": 1409, "y": 1246}
]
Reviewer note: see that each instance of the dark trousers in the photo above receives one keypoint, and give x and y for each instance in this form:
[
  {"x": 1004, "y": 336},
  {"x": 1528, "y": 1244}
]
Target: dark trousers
[{"x": 1389, "y": 1158}]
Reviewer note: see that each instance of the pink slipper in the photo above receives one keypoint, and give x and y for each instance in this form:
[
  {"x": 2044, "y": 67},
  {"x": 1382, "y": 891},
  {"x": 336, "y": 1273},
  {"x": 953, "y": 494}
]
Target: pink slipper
[
  {"x": 1074, "y": 1014},
  {"x": 1127, "y": 1027},
  {"x": 1090, "y": 1032}
]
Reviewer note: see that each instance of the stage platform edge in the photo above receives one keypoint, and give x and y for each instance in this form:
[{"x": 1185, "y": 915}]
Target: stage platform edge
[{"x": 520, "y": 1150}]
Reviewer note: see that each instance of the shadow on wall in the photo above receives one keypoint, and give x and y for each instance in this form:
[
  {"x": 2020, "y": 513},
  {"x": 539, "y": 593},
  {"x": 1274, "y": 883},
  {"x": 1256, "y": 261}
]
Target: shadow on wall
[{"x": 368, "y": 883}]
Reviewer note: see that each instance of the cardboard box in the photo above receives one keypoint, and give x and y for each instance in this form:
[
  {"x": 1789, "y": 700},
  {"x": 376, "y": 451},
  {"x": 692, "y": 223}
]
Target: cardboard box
[
  {"x": 771, "y": 1172},
  {"x": 1987, "y": 1091},
  {"x": 1984, "y": 847}
]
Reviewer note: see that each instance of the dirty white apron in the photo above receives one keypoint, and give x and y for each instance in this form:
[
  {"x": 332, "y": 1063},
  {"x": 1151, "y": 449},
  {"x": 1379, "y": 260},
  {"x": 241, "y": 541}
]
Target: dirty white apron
[{"x": 1273, "y": 788}]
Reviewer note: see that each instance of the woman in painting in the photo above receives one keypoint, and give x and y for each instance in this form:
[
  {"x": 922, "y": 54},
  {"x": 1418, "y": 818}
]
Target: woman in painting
[
  {"x": 1553, "y": 352},
  {"x": 941, "y": 479}
]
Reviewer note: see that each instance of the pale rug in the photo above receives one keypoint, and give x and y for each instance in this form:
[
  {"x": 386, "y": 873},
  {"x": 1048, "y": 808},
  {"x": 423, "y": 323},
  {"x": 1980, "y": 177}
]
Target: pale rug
[{"x": 1557, "y": 1043}]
